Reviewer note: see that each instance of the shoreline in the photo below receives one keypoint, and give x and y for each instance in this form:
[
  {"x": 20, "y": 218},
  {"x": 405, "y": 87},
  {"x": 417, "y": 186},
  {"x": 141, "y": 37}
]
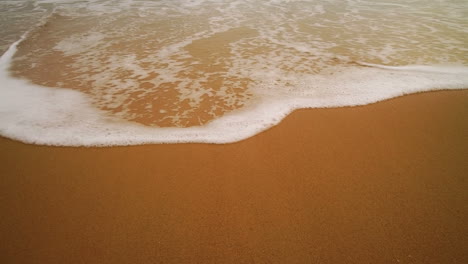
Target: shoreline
[{"x": 380, "y": 183}]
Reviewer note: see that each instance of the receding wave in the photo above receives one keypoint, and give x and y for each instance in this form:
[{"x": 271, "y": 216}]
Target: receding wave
[{"x": 120, "y": 73}]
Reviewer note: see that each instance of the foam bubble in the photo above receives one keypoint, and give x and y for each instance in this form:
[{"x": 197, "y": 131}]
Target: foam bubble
[
  {"x": 227, "y": 69},
  {"x": 41, "y": 115}
]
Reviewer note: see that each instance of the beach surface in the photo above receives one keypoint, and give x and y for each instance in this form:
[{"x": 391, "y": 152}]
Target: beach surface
[{"x": 382, "y": 183}]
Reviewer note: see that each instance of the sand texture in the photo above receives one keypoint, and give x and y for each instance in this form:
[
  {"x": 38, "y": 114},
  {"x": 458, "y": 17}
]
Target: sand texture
[{"x": 383, "y": 183}]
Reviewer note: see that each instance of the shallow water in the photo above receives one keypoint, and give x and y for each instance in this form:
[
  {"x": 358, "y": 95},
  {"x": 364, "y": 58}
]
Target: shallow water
[{"x": 133, "y": 72}]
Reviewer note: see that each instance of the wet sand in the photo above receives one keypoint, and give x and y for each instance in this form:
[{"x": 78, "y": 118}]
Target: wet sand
[{"x": 383, "y": 183}]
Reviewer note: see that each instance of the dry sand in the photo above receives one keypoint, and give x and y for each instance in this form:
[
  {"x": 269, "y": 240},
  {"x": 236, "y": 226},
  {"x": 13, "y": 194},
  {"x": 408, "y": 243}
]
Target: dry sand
[{"x": 384, "y": 183}]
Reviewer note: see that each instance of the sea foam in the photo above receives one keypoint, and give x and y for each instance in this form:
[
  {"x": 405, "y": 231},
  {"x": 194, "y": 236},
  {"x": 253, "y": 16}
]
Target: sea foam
[
  {"x": 62, "y": 117},
  {"x": 122, "y": 72}
]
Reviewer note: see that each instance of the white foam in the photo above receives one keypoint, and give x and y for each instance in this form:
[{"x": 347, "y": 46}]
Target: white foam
[
  {"x": 438, "y": 69},
  {"x": 301, "y": 44},
  {"x": 41, "y": 115},
  {"x": 78, "y": 44}
]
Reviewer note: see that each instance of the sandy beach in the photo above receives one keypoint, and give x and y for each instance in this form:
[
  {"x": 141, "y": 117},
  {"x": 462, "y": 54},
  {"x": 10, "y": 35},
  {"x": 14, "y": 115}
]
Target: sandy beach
[{"x": 383, "y": 183}]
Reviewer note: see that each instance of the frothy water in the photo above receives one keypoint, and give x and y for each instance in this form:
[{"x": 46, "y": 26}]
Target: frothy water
[{"x": 134, "y": 72}]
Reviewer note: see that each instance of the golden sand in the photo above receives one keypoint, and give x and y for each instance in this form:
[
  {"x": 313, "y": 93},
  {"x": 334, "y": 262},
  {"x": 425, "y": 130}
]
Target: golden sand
[{"x": 383, "y": 183}]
